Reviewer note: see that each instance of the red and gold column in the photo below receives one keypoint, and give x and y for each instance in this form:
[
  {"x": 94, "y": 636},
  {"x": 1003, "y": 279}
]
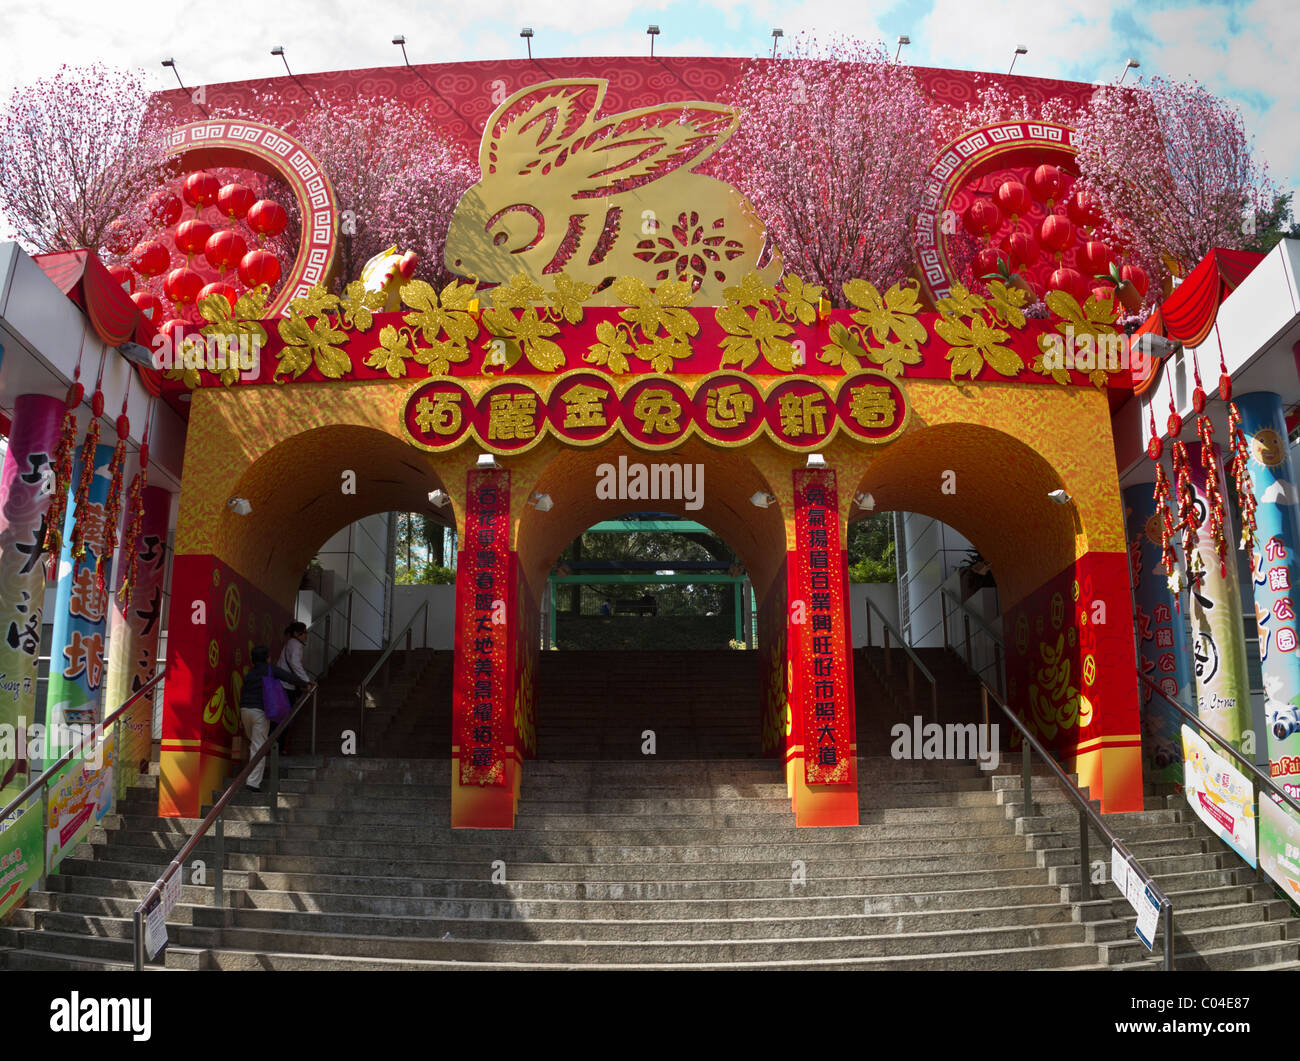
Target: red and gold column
[
  {"x": 483, "y": 766},
  {"x": 821, "y": 753}
]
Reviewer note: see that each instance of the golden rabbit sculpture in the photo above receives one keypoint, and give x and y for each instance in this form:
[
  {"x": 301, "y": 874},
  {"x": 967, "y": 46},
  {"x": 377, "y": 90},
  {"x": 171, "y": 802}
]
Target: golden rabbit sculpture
[{"x": 565, "y": 189}]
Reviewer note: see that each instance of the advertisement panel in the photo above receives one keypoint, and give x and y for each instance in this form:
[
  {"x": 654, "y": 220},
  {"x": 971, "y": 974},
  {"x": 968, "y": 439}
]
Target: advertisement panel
[
  {"x": 1222, "y": 797},
  {"x": 20, "y": 857},
  {"x": 1279, "y": 845},
  {"x": 79, "y": 798}
]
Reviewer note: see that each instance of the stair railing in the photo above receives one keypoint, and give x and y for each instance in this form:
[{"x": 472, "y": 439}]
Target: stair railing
[
  {"x": 216, "y": 822},
  {"x": 325, "y": 621},
  {"x": 384, "y": 663},
  {"x": 971, "y": 623},
  {"x": 41, "y": 785},
  {"x": 914, "y": 663},
  {"x": 1261, "y": 779},
  {"x": 1088, "y": 815}
]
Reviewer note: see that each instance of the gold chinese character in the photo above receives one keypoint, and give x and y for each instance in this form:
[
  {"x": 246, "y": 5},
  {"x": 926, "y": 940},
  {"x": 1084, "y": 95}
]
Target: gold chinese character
[
  {"x": 511, "y": 416},
  {"x": 728, "y": 406},
  {"x": 803, "y": 414},
  {"x": 872, "y": 406},
  {"x": 658, "y": 412},
  {"x": 441, "y": 416},
  {"x": 582, "y": 406}
]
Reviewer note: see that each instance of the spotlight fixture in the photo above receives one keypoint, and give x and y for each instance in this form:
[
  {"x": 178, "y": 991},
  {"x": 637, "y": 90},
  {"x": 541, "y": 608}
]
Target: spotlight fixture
[
  {"x": 1020, "y": 50},
  {"x": 653, "y": 32},
  {"x": 815, "y": 460},
  {"x": 864, "y": 501},
  {"x": 904, "y": 39},
  {"x": 541, "y": 502},
  {"x": 762, "y": 500},
  {"x": 195, "y": 97},
  {"x": 400, "y": 41},
  {"x": 486, "y": 460},
  {"x": 1060, "y": 497},
  {"x": 240, "y": 506},
  {"x": 777, "y": 34},
  {"x": 1132, "y": 64},
  {"x": 439, "y": 498},
  {"x": 527, "y": 34}
]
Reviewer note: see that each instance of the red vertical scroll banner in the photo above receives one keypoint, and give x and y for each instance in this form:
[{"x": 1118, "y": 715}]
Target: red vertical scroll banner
[
  {"x": 484, "y": 673},
  {"x": 823, "y": 689}
]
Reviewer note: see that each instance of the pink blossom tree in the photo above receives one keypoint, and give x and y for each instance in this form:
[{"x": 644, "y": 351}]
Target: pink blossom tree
[
  {"x": 80, "y": 150},
  {"x": 396, "y": 178},
  {"x": 1171, "y": 166},
  {"x": 832, "y": 149}
]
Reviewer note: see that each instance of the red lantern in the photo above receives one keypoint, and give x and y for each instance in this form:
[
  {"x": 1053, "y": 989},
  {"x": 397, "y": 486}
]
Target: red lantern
[
  {"x": 1104, "y": 294},
  {"x": 1070, "y": 281},
  {"x": 1055, "y": 233},
  {"x": 1094, "y": 258},
  {"x": 151, "y": 258},
  {"x": 164, "y": 208},
  {"x": 259, "y": 267},
  {"x": 219, "y": 288},
  {"x": 117, "y": 236},
  {"x": 123, "y": 277},
  {"x": 1014, "y": 199},
  {"x": 235, "y": 200},
  {"x": 1045, "y": 184},
  {"x": 267, "y": 218},
  {"x": 183, "y": 286},
  {"x": 986, "y": 262},
  {"x": 1021, "y": 248},
  {"x": 200, "y": 189},
  {"x": 224, "y": 249},
  {"x": 150, "y": 305},
  {"x": 175, "y": 325},
  {"x": 1135, "y": 276},
  {"x": 1083, "y": 210},
  {"x": 192, "y": 236}
]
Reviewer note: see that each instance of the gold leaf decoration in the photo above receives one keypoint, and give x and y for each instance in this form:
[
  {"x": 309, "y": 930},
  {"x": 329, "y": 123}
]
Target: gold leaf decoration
[
  {"x": 891, "y": 320},
  {"x": 799, "y": 300},
  {"x": 613, "y": 349},
  {"x": 529, "y": 330},
  {"x": 236, "y": 330},
  {"x": 358, "y": 306},
  {"x": 391, "y": 353},
  {"x": 976, "y": 343},
  {"x": 567, "y": 298},
  {"x": 319, "y": 341}
]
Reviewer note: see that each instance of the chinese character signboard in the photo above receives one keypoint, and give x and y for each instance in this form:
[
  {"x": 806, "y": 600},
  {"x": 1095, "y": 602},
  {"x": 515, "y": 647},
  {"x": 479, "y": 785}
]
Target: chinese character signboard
[
  {"x": 1162, "y": 648},
  {"x": 484, "y": 594},
  {"x": 823, "y": 681},
  {"x": 655, "y": 412},
  {"x": 1277, "y": 518},
  {"x": 26, "y": 484}
]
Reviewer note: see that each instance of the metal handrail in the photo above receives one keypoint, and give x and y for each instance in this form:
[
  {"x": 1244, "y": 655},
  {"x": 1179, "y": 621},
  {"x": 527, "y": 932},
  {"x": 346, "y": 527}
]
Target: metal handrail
[
  {"x": 1241, "y": 759},
  {"x": 67, "y": 757},
  {"x": 1087, "y": 815},
  {"x": 967, "y": 615},
  {"x": 270, "y": 746},
  {"x": 328, "y": 616},
  {"x": 963, "y": 606},
  {"x": 913, "y": 661},
  {"x": 383, "y": 662}
]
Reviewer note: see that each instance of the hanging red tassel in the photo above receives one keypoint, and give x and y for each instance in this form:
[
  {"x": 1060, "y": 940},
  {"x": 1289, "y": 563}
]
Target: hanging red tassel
[
  {"x": 1156, "y": 446},
  {"x": 135, "y": 515},
  {"x": 1175, "y": 422},
  {"x": 1198, "y": 392},
  {"x": 1167, "y": 558},
  {"x": 62, "y": 476},
  {"x": 113, "y": 505},
  {"x": 1238, "y": 467},
  {"x": 82, "y": 498},
  {"x": 1225, "y": 381},
  {"x": 1213, "y": 495},
  {"x": 1187, "y": 521}
]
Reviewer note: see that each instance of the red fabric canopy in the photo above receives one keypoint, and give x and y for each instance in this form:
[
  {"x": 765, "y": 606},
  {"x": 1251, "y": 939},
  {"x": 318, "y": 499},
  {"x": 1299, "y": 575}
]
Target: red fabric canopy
[
  {"x": 82, "y": 277},
  {"x": 1188, "y": 315}
]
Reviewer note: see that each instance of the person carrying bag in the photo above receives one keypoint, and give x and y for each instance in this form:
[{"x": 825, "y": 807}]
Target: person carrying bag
[{"x": 257, "y": 703}]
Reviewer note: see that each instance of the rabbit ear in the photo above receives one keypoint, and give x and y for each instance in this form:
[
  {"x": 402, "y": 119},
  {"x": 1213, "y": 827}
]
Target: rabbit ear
[
  {"x": 640, "y": 146},
  {"x": 531, "y": 127}
]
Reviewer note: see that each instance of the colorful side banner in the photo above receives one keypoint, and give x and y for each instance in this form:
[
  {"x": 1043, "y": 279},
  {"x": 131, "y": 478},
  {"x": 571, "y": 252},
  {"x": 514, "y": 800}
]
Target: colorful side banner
[
  {"x": 1218, "y": 637},
  {"x": 1279, "y": 845},
  {"x": 26, "y": 483},
  {"x": 21, "y": 857},
  {"x": 484, "y": 698},
  {"x": 823, "y": 684},
  {"x": 79, "y": 798},
  {"x": 1276, "y": 577},
  {"x": 1220, "y": 794},
  {"x": 1162, "y": 647}
]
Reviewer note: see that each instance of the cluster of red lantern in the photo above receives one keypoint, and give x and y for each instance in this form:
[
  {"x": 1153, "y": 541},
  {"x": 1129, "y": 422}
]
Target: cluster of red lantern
[
  {"x": 225, "y": 250},
  {"x": 1028, "y": 242}
]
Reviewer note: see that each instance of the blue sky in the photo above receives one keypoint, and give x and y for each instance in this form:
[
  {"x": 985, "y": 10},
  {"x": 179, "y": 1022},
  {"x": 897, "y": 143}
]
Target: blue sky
[{"x": 1242, "y": 49}]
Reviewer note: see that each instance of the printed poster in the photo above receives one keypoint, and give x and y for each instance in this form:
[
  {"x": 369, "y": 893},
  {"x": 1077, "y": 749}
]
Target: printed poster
[
  {"x": 20, "y": 857},
  {"x": 79, "y": 798},
  {"x": 1220, "y": 794},
  {"x": 1279, "y": 845}
]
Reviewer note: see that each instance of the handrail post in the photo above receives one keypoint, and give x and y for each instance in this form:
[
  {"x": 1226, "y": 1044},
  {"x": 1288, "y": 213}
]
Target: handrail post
[
  {"x": 1085, "y": 878},
  {"x": 943, "y": 611},
  {"x": 408, "y": 649},
  {"x": 984, "y": 704},
  {"x": 325, "y": 656},
  {"x": 314, "y": 701},
  {"x": 275, "y": 779},
  {"x": 966, "y": 621},
  {"x": 934, "y": 701},
  {"x": 425, "y": 643},
  {"x": 888, "y": 649},
  {"x": 219, "y": 862},
  {"x": 997, "y": 666},
  {"x": 137, "y": 948},
  {"x": 868, "y": 622},
  {"x": 911, "y": 683},
  {"x": 388, "y": 683},
  {"x": 1168, "y": 913},
  {"x": 1027, "y": 777},
  {"x": 45, "y": 819}
]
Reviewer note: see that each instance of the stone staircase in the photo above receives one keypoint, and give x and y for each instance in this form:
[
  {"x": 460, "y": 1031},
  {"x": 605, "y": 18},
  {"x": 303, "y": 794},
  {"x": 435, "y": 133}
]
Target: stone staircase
[{"x": 619, "y": 860}]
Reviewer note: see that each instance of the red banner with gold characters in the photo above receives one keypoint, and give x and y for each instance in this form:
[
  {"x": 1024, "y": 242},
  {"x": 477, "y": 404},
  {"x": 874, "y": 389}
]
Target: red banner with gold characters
[
  {"x": 484, "y": 692},
  {"x": 822, "y": 692},
  {"x": 655, "y": 412}
]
